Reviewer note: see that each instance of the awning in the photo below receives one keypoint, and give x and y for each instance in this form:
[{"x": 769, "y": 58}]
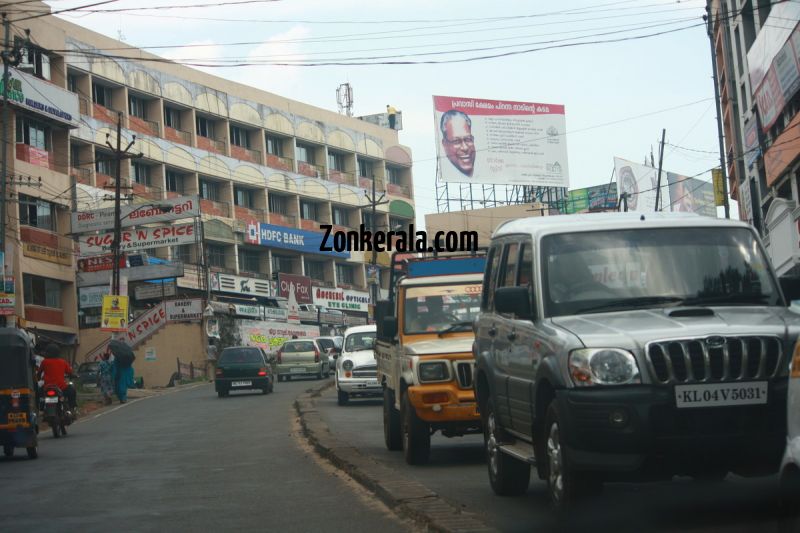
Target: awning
[
  {"x": 44, "y": 336},
  {"x": 401, "y": 209}
]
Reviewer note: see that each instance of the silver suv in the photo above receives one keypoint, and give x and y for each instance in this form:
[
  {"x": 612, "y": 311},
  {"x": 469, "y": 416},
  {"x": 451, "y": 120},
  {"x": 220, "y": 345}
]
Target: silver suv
[{"x": 630, "y": 346}]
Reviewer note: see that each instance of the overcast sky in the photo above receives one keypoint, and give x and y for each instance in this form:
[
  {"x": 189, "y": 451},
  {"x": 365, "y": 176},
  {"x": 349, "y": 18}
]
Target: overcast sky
[{"x": 618, "y": 96}]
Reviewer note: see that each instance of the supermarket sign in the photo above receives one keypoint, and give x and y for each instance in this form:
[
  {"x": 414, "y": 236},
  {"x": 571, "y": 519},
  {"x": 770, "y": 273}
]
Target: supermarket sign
[{"x": 139, "y": 239}]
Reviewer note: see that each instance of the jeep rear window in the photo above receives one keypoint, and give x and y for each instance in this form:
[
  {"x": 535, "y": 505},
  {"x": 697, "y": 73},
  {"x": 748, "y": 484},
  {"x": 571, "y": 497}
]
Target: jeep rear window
[{"x": 594, "y": 272}]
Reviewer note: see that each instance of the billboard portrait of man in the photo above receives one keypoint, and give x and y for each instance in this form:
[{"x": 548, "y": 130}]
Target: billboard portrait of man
[{"x": 458, "y": 141}]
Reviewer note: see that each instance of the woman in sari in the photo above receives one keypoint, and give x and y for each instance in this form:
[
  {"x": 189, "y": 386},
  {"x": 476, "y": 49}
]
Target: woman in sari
[{"x": 105, "y": 377}]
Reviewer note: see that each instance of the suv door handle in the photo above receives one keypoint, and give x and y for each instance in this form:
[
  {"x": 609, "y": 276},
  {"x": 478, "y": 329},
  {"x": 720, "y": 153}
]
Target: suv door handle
[
  {"x": 512, "y": 336},
  {"x": 492, "y": 331}
]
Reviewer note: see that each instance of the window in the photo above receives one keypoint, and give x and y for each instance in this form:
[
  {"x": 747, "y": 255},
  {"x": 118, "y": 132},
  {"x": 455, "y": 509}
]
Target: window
[
  {"x": 172, "y": 118},
  {"x": 239, "y": 137},
  {"x": 365, "y": 168},
  {"x": 344, "y": 274},
  {"x": 209, "y": 190},
  {"x": 490, "y": 278},
  {"x": 141, "y": 173},
  {"x": 336, "y": 161},
  {"x": 281, "y": 264},
  {"x": 743, "y": 103},
  {"x": 249, "y": 260},
  {"x": 341, "y": 216},
  {"x": 205, "y": 127},
  {"x": 72, "y": 83},
  {"x": 36, "y": 213},
  {"x": 74, "y": 155},
  {"x": 278, "y": 205},
  {"x": 182, "y": 253},
  {"x": 33, "y": 133},
  {"x": 216, "y": 255},
  {"x": 243, "y": 197},
  {"x": 393, "y": 175},
  {"x": 367, "y": 218},
  {"x": 526, "y": 266},
  {"x": 309, "y": 210},
  {"x": 35, "y": 60},
  {"x": 101, "y": 95},
  {"x": 174, "y": 181},
  {"x": 42, "y": 291},
  {"x": 315, "y": 270},
  {"x": 274, "y": 146},
  {"x": 396, "y": 223},
  {"x": 508, "y": 272},
  {"x": 104, "y": 164},
  {"x": 305, "y": 153},
  {"x": 137, "y": 107}
]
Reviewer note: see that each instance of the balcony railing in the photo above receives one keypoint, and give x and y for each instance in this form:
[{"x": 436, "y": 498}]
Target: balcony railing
[
  {"x": 398, "y": 190},
  {"x": 282, "y": 220},
  {"x": 39, "y": 157},
  {"x": 342, "y": 176},
  {"x": 105, "y": 114},
  {"x": 366, "y": 183},
  {"x": 212, "y": 145},
  {"x": 310, "y": 169},
  {"x": 279, "y": 162},
  {"x": 245, "y": 154},
  {"x": 104, "y": 180},
  {"x": 146, "y": 191},
  {"x": 148, "y": 127},
  {"x": 210, "y": 207},
  {"x": 249, "y": 213},
  {"x": 82, "y": 175},
  {"x": 178, "y": 136},
  {"x": 310, "y": 224}
]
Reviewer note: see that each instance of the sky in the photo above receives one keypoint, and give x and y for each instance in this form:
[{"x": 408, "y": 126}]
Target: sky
[{"x": 618, "y": 96}]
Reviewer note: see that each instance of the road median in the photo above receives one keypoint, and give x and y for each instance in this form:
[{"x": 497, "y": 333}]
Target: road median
[{"x": 406, "y": 497}]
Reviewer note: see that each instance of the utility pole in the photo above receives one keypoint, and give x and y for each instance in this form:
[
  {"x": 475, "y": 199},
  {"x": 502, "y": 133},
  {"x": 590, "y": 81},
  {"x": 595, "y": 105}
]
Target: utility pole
[
  {"x": 119, "y": 155},
  {"x": 660, "y": 163},
  {"x": 375, "y": 202},
  {"x": 723, "y": 169},
  {"x": 6, "y": 143}
]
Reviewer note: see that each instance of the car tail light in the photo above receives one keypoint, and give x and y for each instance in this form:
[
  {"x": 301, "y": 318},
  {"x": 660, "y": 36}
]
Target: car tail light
[
  {"x": 262, "y": 371},
  {"x": 218, "y": 372},
  {"x": 316, "y": 355},
  {"x": 279, "y": 356},
  {"x": 51, "y": 392}
]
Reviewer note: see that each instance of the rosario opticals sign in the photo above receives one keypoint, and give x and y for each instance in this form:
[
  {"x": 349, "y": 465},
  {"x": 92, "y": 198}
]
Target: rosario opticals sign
[
  {"x": 291, "y": 239},
  {"x": 31, "y": 93},
  {"x": 343, "y": 299},
  {"x": 133, "y": 215},
  {"x": 139, "y": 239}
]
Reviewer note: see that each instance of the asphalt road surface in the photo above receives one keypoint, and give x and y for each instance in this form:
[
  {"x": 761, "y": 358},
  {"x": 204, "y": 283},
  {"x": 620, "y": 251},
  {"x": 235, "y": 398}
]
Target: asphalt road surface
[
  {"x": 186, "y": 461},
  {"x": 457, "y": 472}
]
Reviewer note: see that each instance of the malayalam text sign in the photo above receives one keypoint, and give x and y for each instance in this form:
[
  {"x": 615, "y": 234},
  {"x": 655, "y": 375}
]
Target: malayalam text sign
[
  {"x": 139, "y": 239},
  {"x": 135, "y": 215},
  {"x": 342, "y": 299},
  {"x": 501, "y": 142}
]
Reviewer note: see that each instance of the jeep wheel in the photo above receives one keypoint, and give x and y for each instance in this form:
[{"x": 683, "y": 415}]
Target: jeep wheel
[
  {"x": 416, "y": 434},
  {"x": 342, "y": 397},
  {"x": 392, "y": 435},
  {"x": 508, "y": 476}
]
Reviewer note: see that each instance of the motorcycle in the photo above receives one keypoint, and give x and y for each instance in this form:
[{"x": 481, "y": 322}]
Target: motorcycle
[{"x": 55, "y": 410}]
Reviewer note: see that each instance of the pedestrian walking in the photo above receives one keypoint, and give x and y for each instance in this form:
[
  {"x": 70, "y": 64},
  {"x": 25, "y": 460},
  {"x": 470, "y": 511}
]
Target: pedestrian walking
[
  {"x": 123, "y": 377},
  {"x": 392, "y": 112},
  {"x": 105, "y": 377}
]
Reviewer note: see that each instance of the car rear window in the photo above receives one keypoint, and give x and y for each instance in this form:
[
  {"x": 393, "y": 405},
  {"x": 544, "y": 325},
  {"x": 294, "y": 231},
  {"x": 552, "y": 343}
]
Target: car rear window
[
  {"x": 325, "y": 343},
  {"x": 240, "y": 355},
  {"x": 301, "y": 346}
]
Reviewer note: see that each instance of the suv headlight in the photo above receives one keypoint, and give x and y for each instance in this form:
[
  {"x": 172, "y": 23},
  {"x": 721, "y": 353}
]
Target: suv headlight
[
  {"x": 347, "y": 365},
  {"x": 603, "y": 366},
  {"x": 433, "y": 371}
]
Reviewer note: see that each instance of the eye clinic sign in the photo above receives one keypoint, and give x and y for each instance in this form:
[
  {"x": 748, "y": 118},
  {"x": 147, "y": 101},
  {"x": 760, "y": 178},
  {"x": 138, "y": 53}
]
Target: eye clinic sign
[
  {"x": 342, "y": 299},
  {"x": 134, "y": 215},
  {"x": 139, "y": 239}
]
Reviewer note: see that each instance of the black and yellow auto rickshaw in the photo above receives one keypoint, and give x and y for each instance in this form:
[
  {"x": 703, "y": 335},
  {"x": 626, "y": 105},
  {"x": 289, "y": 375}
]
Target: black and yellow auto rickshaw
[{"x": 18, "y": 410}]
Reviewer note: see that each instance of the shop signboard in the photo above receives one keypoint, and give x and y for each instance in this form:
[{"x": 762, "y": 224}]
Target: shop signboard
[
  {"x": 136, "y": 215},
  {"x": 139, "y": 239},
  {"x": 184, "y": 310},
  {"x": 115, "y": 313},
  {"x": 341, "y": 299},
  {"x": 299, "y": 240}
]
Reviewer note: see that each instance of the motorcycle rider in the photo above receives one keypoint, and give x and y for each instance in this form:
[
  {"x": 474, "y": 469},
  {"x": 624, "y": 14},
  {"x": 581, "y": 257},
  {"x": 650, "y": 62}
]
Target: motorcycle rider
[{"x": 54, "y": 370}]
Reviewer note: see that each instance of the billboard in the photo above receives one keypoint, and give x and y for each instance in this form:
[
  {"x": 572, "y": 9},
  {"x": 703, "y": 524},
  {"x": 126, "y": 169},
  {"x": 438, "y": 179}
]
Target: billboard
[
  {"x": 114, "y": 313},
  {"x": 298, "y": 240},
  {"x": 691, "y": 195},
  {"x": 639, "y": 182},
  {"x": 135, "y": 215},
  {"x": 299, "y": 285},
  {"x": 597, "y": 198},
  {"x": 139, "y": 239},
  {"x": 500, "y": 142}
]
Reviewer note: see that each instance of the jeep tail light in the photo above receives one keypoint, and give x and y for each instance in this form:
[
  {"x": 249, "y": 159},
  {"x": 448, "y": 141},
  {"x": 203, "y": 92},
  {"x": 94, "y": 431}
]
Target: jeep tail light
[{"x": 262, "y": 371}]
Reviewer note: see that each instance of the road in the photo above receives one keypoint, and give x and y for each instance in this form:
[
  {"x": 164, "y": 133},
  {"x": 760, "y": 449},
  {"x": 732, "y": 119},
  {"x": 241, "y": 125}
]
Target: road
[
  {"x": 457, "y": 472},
  {"x": 186, "y": 461}
]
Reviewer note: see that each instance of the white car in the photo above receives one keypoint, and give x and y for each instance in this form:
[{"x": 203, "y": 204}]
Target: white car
[{"x": 356, "y": 368}]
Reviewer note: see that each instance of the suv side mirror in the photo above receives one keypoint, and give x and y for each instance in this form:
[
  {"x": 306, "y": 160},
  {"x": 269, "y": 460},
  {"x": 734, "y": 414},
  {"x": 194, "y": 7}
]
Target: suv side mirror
[
  {"x": 513, "y": 300},
  {"x": 389, "y": 327},
  {"x": 790, "y": 286}
]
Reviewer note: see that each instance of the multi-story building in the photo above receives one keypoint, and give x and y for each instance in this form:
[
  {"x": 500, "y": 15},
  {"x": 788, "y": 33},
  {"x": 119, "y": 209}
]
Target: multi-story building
[
  {"x": 267, "y": 170},
  {"x": 757, "y": 47}
]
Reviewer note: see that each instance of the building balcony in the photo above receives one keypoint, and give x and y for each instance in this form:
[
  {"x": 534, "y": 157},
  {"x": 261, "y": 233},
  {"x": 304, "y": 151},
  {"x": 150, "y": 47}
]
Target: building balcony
[
  {"x": 245, "y": 154},
  {"x": 211, "y": 145},
  {"x": 44, "y": 315},
  {"x": 341, "y": 176},
  {"x": 248, "y": 213},
  {"x": 146, "y": 191},
  {"x": 81, "y": 175},
  {"x": 310, "y": 224},
  {"x": 177, "y": 136},
  {"x": 141, "y": 125},
  {"x": 39, "y": 157},
  {"x": 105, "y": 114},
  {"x": 398, "y": 190},
  {"x": 282, "y": 220},
  {"x": 366, "y": 183},
  {"x": 222, "y": 270},
  {"x": 343, "y": 229},
  {"x": 174, "y": 194},
  {"x": 279, "y": 162},
  {"x": 251, "y": 274},
  {"x": 218, "y": 209},
  {"x": 104, "y": 180},
  {"x": 310, "y": 169}
]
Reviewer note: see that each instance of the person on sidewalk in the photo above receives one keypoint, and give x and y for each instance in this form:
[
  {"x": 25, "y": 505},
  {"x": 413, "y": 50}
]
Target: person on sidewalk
[
  {"x": 123, "y": 378},
  {"x": 392, "y": 112},
  {"x": 105, "y": 377},
  {"x": 54, "y": 370}
]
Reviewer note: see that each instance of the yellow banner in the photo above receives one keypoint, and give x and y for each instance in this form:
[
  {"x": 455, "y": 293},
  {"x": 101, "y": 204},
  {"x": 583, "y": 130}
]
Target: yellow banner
[
  {"x": 719, "y": 186},
  {"x": 115, "y": 313}
]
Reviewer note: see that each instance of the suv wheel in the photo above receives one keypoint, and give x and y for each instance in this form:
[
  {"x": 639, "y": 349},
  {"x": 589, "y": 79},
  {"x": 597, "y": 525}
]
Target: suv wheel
[
  {"x": 416, "y": 434},
  {"x": 508, "y": 476},
  {"x": 391, "y": 423},
  {"x": 342, "y": 397}
]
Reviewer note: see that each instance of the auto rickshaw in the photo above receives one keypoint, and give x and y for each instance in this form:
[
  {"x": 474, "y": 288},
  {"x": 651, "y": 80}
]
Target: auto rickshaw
[{"x": 19, "y": 424}]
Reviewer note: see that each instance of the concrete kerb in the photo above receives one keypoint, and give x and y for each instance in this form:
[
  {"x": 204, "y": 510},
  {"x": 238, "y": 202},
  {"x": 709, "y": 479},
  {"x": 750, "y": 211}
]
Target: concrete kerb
[{"x": 407, "y": 498}]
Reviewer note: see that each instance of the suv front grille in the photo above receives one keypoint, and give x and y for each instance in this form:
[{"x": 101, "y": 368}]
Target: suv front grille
[
  {"x": 721, "y": 360},
  {"x": 464, "y": 374}
]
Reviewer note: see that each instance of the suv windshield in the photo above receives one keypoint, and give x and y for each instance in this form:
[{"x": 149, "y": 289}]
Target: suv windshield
[
  {"x": 439, "y": 307},
  {"x": 359, "y": 341},
  {"x": 628, "y": 269},
  {"x": 240, "y": 355}
]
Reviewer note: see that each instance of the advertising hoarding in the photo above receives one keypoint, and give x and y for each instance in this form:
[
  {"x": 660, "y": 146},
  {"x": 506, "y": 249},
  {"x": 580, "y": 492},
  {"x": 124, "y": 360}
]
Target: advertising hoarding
[
  {"x": 300, "y": 285},
  {"x": 239, "y": 285},
  {"x": 691, "y": 195},
  {"x": 134, "y": 215},
  {"x": 639, "y": 182},
  {"x": 100, "y": 262},
  {"x": 599, "y": 197},
  {"x": 341, "y": 299},
  {"x": 184, "y": 310},
  {"x": 288, "y": 238},
  {"x": 115, "y": 313},
  {"x": 501, "y": 142},
  {"x": 271, "y": 335},
  {"x": 139, "y": 239}
]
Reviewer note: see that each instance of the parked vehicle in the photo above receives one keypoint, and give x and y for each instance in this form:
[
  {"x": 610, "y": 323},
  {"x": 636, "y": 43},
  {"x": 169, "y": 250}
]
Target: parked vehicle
[
  {"x": 356, "y": 367},
  {"x": 423, "y": 350},
  {"x": 302, "y": 357},
  {"x": 56, "y": 411},
  {"x": 630, "y": 346},
  {"x": 332, "y": 347},
  {"x": 87, "y": 374},
  {"x": 244, "y": 368},
  {"x": 19, "y": 422}
]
